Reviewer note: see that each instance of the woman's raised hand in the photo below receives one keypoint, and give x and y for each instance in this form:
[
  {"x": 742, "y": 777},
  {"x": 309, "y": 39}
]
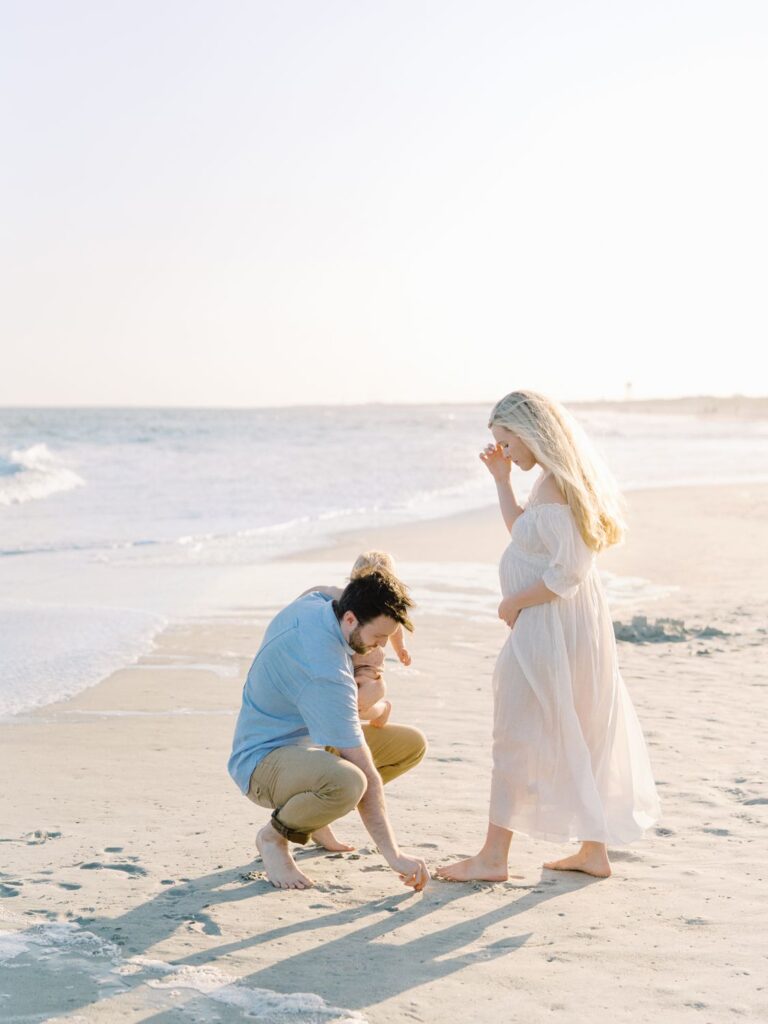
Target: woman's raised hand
[{"x": 492, "y": 456}]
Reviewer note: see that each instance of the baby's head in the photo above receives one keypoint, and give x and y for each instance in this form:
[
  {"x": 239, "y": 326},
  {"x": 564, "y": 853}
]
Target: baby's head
[{"x": 372, "y": 560}]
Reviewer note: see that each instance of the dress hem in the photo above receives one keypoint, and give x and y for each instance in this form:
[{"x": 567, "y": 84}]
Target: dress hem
[{"x": 561, "y": 837}]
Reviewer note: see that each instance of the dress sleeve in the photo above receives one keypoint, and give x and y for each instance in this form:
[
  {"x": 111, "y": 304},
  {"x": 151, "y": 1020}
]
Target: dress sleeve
[{"x": 570, "y": 560}]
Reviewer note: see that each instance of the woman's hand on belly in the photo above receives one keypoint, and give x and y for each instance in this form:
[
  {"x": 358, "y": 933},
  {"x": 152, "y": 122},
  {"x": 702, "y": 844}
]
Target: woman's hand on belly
[{"x": 508, "y": 611}]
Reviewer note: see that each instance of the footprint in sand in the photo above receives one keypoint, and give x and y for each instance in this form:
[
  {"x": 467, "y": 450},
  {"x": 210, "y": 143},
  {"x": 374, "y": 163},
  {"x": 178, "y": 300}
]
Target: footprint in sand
[
  {"x": 757, "y": 801},
  {"x": 129, "y": 869},
  {"x": 254, "y": 876},
  {"x": 203, "y": 923},
  {"x": 40, "y": 836}
]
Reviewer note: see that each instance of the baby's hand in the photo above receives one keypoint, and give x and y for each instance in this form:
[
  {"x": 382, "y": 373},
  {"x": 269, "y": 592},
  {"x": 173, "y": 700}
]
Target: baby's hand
[{"x": 399, "y": 647}]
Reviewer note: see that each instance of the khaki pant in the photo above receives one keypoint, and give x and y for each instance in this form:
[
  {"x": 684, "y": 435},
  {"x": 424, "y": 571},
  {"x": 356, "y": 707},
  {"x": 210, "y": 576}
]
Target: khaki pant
[{"x": 311, "y": 788}]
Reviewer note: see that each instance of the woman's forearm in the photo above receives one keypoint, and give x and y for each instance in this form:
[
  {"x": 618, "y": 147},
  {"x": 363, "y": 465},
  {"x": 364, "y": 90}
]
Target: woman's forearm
[
  {"x": 510, "y": 510},
  {"x": 538, "y": 593}
]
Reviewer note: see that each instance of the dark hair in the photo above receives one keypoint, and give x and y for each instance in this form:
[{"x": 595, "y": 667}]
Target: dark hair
[{"x": 375, "y": 593}]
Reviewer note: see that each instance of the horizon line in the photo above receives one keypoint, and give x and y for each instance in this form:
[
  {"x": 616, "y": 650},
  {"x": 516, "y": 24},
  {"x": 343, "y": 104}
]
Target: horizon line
[{"x": 735, "y": 396}]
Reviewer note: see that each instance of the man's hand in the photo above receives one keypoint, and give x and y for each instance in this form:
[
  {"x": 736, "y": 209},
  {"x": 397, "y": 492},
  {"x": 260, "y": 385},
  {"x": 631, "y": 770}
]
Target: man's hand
[
  {"x": 373, "y": 811},
  {"x": 492, "y": 457},
  {"x": 508, "y": 611},
  {"x": 413, "y": 871}
]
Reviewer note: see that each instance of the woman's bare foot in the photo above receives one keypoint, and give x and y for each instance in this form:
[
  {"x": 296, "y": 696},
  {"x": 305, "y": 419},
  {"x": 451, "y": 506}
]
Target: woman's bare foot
[
  {"x": 324, "y": 837},
  {"x": 478, "y": 868},
  {"x": 592, "y": 859},
  {"x": 278, "y": 863}
]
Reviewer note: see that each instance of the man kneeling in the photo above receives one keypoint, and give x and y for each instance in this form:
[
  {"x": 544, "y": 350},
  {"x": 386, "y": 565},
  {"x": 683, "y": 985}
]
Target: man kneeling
[{"x": 299, "y": 746}]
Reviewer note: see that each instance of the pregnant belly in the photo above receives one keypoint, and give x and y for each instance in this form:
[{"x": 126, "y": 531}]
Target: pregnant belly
[{"x": 519, "y": 570}]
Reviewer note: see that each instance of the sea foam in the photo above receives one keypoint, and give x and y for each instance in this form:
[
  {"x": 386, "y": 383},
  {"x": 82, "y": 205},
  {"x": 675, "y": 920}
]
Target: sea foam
[
  {"x": 63, "y": 951},
  {"x": 33, "y": 473},
  {"x": 50, "y": 652}
]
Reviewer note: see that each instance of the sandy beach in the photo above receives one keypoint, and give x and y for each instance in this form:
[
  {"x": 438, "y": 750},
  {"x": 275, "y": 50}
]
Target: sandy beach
[{"x": 129, "y": 886}]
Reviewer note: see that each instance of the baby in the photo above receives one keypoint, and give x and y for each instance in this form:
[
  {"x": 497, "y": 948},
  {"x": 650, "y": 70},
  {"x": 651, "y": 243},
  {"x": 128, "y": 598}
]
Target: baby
[
  {"x": 372, "y": 704},
  {"x": 371, "y": 689}
]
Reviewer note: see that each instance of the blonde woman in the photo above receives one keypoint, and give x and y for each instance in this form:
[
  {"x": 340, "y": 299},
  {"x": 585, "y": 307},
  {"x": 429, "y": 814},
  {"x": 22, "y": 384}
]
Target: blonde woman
[{"x": 569, "y": 758}]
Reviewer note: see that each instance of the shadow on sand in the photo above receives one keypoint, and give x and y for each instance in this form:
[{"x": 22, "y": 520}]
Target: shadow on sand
[{"x": 383, "y": 941}]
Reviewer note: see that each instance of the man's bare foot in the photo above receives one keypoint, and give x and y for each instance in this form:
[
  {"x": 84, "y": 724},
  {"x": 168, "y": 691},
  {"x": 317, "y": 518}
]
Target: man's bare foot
[
  {"x": 592, "y": 859},
  {"x": 278, "y": 863},
  {"x": 324, "y": 837},
  {"x": 478, "y": 868}
]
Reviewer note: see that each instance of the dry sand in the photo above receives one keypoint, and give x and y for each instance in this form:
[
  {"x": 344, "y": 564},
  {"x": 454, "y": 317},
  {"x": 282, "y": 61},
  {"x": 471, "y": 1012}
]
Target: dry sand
[{"x": 129, "y": 887}]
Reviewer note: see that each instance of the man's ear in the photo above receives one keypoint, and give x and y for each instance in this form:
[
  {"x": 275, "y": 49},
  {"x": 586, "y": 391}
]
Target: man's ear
[{"x": 350, "y": 619}]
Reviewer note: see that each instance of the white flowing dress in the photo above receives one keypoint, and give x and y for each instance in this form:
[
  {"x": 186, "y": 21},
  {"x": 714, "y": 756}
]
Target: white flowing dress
[{"x": 569, "y": 757}]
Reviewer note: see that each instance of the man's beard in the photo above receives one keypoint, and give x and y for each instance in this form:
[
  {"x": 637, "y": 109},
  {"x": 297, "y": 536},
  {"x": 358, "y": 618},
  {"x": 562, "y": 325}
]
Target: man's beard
[{"x": 356, "y": 643}]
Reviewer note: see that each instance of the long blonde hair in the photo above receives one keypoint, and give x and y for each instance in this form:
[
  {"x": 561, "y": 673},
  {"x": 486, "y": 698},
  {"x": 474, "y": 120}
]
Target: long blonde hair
[{"x": 560, "y": 445}]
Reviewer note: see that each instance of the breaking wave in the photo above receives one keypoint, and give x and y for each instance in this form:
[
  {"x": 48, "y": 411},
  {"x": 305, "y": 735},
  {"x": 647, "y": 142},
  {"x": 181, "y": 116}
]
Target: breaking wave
[{"x": 34, "y": 473}]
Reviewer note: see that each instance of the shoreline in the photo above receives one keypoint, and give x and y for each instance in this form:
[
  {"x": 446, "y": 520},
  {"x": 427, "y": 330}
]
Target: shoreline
[{"x": 426, "y": 540}]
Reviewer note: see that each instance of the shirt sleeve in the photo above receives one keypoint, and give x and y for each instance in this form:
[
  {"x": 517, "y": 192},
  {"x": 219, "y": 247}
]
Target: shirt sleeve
[
  {"x": 570, "y": 560},
  {"x": 328, "y": 705}
]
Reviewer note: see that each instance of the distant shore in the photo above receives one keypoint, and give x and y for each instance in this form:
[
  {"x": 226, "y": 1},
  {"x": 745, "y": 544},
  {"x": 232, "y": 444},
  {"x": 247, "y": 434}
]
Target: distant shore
[
  {"x": 735, "y": 406},
  {"x": 738, "y": 406}
]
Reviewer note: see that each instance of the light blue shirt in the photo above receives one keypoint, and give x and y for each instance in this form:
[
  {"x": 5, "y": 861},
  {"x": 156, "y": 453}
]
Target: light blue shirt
[{"x": 300, "y": 688}]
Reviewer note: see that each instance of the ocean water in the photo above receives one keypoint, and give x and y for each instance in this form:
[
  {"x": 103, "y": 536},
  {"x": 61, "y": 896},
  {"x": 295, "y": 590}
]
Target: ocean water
[
  {"x": 47, "y": 958},
  {"x": 112, "y": 521}
]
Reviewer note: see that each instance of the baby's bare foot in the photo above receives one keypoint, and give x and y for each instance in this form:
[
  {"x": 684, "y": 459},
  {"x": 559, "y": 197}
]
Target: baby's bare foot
[
  {"x": 476, "y": 868},
  {"x": 383, "y": 718},
  {"x": 324, "y": 837},
  {"x": 591, "y": 861},
  {"x": 279, "y": 865}
]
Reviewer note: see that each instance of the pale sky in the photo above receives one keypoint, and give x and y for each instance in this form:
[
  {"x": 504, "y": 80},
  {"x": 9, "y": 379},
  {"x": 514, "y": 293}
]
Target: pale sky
[{"x": 221, "y": 202}]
